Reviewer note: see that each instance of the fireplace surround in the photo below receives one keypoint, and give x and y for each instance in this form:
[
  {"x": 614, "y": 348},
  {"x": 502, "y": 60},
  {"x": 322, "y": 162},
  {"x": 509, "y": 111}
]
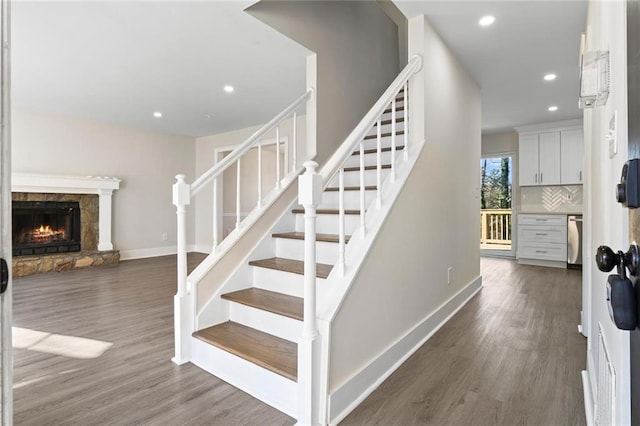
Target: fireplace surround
[{"x": 94, "y": 197}]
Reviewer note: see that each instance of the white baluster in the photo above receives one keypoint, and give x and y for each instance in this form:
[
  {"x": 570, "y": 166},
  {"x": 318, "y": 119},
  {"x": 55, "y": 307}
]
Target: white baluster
[
  {"x": 260, "y": 174},
  {"x": 341, "y": 236},
  {"x": 278, "y": 157},
  {"x": 393, "y": 140},
  {"x": 310, "y": 196},
  {"x": 406, "y": 121},
  {"x": 238, "y": 194},
  {"x": 182, "y": 303},
  {"x": 295, "y": 143},
  {"x": 362, "y": 194},
  {"x": 379, "y": 164},
  {"x": 215, "y": 215}
]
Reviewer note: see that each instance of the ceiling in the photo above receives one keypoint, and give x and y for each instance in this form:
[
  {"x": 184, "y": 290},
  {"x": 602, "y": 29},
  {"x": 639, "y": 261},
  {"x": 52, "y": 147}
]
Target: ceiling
[{"x": 120, "y": 62}]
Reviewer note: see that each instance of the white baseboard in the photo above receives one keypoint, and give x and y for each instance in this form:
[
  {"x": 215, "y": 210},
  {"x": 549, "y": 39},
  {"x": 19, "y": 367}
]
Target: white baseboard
[
  {"x": 350, "y": 394},
  {"x": 588, "y": 397},
  {"x": 151, "y": 252}
]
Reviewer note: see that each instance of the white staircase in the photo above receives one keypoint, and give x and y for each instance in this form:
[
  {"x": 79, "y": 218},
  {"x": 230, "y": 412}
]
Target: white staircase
[{"x": 256, "y": 347}]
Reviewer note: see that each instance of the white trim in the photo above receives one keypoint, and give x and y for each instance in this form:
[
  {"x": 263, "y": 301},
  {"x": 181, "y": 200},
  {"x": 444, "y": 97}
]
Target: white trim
[
  {"x": 355, "y": 390},
  {"x": 588, "y": 397},
  {"x": 547, "y": 263},
  {"x": 152, "y": 252}
]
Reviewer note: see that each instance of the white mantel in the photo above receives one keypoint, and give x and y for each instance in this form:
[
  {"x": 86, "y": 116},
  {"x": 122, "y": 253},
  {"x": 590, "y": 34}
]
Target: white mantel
[{"x": 63, "y": 184}]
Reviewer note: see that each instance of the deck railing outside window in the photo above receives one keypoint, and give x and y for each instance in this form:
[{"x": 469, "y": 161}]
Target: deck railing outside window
[{"x": 495, "y": 229}]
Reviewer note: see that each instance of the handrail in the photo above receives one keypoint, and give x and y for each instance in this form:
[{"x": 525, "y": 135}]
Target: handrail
[
  {"x": 239, "y": 151},
  {"x": 355, "y": 137}
]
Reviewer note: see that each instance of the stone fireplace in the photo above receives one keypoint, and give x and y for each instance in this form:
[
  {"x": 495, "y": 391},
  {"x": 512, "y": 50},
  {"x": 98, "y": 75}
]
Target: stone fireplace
[{"x": 87, "y": 245}]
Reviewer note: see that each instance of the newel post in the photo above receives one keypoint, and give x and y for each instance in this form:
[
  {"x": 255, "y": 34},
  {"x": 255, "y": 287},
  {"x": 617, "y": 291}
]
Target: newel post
[
  {"x": 182, "y": 302},
  {"x": 310, "y": 196}
]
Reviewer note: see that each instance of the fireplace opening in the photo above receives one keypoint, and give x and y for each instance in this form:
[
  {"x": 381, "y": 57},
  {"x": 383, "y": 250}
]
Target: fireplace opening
[{"x": 41, "y": 227}]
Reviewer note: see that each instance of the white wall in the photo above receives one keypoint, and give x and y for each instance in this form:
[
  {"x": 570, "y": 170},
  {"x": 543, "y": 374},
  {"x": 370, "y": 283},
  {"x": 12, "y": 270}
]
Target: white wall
[
  {"x": 433, "y": 225},
  {"x": 145, "y": 161},
  {"x": 206, "y": 148},
  {"x": 606, "y": 221}
]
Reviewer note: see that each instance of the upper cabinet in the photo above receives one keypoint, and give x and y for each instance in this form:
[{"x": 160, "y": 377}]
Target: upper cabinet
[
  {"x": 571, "y": 156},
  {"x": 551, "y": 157}
]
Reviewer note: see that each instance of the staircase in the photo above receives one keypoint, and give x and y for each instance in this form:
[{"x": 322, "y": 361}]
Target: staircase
[
  {"x": 265, "y": 320},
  {"x": 265, "y": 327}
]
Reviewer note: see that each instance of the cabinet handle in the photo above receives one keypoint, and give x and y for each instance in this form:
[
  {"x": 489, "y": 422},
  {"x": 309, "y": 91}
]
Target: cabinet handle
[
  {"x": 540, "y": 177},
  {"x": 541, "y": 233},
  {"x": 536, "y": 178},
  {"x": 580, "y": 175},
  {"x": 541, "y": 251},
  {"x": 541, "y": 220}
]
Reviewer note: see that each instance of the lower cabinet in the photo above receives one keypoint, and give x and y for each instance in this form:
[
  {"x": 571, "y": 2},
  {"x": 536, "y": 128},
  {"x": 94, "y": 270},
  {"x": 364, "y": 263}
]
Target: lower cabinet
[{"x": 542, "y": 240}]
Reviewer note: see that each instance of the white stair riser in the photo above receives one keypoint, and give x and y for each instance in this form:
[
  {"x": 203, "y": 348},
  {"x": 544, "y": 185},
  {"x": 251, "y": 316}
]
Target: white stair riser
[
  {"x": 331, "y": 199},
  {"x": 385, "y": 142},
  {"x": 267, "y": 386},
  {"x": 371, "y": 159},
  {"x": 353, "y": 178},
  {"x": 267, "y": 322},
  {"x": 283, "y": 282},
  {"x": 294, "y": 249},
  {"x": 386, "y": 128},
  {"x": 328, "y": 223}
]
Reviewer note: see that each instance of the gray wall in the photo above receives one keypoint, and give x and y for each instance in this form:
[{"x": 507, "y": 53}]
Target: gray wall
[{"x": 357, "y": 52}]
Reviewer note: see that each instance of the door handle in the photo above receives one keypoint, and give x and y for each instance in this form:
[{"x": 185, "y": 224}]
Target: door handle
[{"x": 4, "y": 276}]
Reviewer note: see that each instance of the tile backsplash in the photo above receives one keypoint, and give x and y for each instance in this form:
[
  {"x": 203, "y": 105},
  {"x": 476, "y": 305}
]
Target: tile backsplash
[{"x": 556, "y": 199}]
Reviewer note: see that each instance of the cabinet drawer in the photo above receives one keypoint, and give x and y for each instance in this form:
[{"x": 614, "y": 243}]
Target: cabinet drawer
[
  {"x": 542, "y": 251},
  {"x": 542, "y": 219},
  {"x": 550, "y": 234}
]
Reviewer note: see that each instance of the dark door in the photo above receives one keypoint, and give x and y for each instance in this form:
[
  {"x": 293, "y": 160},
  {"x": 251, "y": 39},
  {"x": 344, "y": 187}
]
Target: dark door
[{"x": 633, "y": 82}]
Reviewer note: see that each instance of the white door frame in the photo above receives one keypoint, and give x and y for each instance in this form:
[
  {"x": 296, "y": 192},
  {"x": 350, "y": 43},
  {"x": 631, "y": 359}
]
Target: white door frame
[
  {"x": 514, "y": 195},
  {"x": 6, "y": 355}
]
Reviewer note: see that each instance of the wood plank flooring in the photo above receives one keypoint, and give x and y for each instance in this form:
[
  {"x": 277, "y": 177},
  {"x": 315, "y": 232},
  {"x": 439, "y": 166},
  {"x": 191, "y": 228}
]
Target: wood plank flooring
[{"x": 511, "y": 356}]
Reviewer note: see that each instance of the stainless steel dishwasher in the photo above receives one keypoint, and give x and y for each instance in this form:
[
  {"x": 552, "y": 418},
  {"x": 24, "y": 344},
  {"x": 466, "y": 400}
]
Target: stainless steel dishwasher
[{"x": 574, "y": 241}]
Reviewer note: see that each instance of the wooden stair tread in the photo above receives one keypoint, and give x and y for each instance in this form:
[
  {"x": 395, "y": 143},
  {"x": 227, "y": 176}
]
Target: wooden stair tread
[
  {"x": 291, "y": 265},
  {"x": 326, "y": 211},
  {"x": 374, "y": 150},
  {"x": 270, "y": 301},
  {"x": 398, "y": 108},
  {"x": 273, "y": 353},
  {"x": 384, "y": 135},
  {"x": 389, "y": 121},
  {"x": 357, "y": 168},
  {"x": 352, "y": 188},
  {"x": 326, "y": 238}
]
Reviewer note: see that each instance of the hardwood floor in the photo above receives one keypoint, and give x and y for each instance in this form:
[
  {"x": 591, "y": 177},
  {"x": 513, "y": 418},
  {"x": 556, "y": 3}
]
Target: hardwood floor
[
  {"x": 133, "y": 381},
  {"x": 511, "y": 356}
]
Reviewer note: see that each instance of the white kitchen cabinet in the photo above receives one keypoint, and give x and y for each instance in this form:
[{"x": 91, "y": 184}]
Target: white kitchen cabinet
[
  {"x": 549, "y": 158},
  {"x": 528, "y": 160},
  {"x": 542, "y": 240},
  {"x": 539, "y": 159},
  {"x": 571, "y": 157}
]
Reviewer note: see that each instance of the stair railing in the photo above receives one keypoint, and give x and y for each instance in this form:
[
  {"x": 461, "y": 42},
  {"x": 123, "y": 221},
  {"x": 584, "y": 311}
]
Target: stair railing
[
  {"x": 183, "y": 193},
  {"x": 311, "y": 185}
]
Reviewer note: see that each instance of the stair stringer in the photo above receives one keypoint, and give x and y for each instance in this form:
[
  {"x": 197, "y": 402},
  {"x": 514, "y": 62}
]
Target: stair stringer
[{"x": 356, "y": 252}]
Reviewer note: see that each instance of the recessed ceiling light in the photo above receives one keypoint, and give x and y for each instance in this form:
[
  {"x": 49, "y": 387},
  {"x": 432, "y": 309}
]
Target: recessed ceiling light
[
  {"x": 157, "y": 114},
  {"x": 487, "y": 20},
  {"x": 228, "y": 89},
  {"x": 553, "y": 108},
  {"x": 550, "y": 77}
]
